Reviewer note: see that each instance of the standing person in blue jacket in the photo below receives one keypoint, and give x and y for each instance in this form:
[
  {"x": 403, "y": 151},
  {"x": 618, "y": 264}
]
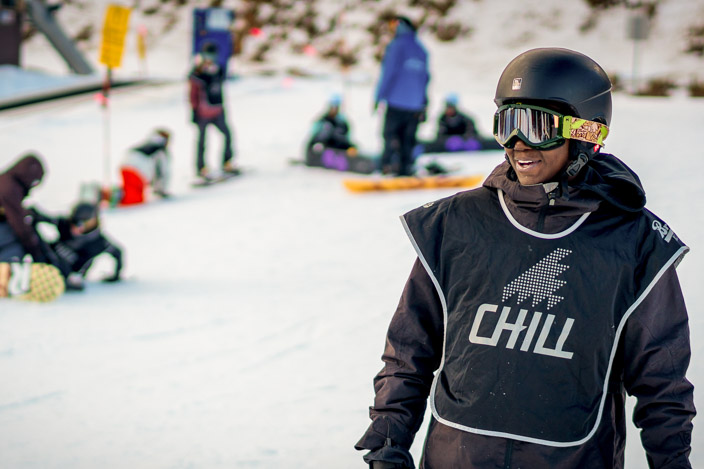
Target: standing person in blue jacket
[
  {"x": 539, "y": 300},
  {"x": 403, "y": 88}
]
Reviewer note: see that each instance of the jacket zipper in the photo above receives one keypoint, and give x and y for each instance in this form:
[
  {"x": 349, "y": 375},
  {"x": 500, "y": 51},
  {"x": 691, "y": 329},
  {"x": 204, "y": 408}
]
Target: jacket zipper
[
  {"x": 509, "y": 454},
  {"x": 552, "y": 195}
]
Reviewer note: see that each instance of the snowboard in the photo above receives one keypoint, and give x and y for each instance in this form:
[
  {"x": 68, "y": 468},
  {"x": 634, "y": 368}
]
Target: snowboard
[
  {"x": 215, "y": 179},
  {"x": 411, "y": 182},
  {"x": 337, "y": 160},
  {"x": 31, "y": 281}
]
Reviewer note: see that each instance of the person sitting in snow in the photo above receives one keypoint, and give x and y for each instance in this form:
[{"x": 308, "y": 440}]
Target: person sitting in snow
[
  {"x": 456, "y": 132},
  {"x": 79, "y": 242},
  {"x": 148, "y": 164},
  {"x": 454, "y": 122},
  {"x": 331, "y": 130},
  {"x": 18, "y": 234}
]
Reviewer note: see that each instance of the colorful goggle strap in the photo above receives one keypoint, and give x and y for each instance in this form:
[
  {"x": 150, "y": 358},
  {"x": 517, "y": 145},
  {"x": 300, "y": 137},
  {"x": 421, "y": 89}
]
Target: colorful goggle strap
[{"x": 584, "y": 130}]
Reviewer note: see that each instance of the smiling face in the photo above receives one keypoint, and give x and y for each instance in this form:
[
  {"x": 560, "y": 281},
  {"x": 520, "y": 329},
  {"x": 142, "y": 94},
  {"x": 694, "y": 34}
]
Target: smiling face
[{"x": 534, "y": 166}]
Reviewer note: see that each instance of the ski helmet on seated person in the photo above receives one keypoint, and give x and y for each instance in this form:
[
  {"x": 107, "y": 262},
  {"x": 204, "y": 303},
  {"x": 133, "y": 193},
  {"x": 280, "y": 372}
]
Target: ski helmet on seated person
[
  {"x": 160, "y": 137},
  {"x": 452, "y": 100},
  {"x": 84, "y": 215},
  {"x": 549, "y": 95}
]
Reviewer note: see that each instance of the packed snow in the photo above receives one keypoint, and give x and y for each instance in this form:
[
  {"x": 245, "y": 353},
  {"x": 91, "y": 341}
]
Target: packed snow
[{"x": 252, "y": 316}]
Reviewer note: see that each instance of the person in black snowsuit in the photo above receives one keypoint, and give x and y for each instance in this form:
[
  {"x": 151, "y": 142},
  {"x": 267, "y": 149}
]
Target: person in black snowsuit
[
  {"x": 80, "y": 241},
  {"x": 331, "y": 130},
  {"x": 539, "y": 300},
  {"x": 453, "y": 122},
  {"x": 207, "y": 105},
  {"x": 456, "y": 131}
]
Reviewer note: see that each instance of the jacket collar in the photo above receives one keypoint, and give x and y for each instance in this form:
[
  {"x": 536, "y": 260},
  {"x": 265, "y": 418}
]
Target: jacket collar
[{"x": 552, "y": 207}]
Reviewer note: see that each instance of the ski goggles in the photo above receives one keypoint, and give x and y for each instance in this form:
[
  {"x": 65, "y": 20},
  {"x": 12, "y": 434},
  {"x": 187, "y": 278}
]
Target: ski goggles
[{"x": 543, "y": 128}]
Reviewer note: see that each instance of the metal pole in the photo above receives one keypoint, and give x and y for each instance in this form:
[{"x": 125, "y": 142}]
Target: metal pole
[
  {"x": 106, "y": 128},
  {"x": 634, "y": 76}
]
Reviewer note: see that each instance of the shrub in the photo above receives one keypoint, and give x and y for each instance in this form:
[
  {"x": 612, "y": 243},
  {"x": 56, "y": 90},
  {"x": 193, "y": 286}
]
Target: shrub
[
  {"x": 84, "y": 34},
  {"x": 602, "y": 4},
  {"x": 657, "y": 87},
  {"x": 695, "y": 41},
  {"x": 616, "y": 82},
  {"x": 447, "y": 32},
  {"x": 696, "y": 88}
]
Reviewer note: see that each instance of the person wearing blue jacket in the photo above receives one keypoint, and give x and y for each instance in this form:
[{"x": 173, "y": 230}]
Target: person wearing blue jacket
[{"x": 403, "y": 88}]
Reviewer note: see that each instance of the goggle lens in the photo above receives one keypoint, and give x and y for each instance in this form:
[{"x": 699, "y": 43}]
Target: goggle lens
[{"x": 535, "y": 126}]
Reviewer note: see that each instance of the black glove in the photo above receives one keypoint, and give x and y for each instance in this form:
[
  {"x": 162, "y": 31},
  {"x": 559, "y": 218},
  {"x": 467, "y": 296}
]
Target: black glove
[
  {"x": 38, "y": 216},
  {"x": 386, "y": 465}
]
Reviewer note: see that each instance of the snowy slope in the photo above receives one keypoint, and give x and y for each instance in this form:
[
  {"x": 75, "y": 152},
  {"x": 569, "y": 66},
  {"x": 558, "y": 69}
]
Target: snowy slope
[{"x": 253, "y": 315}]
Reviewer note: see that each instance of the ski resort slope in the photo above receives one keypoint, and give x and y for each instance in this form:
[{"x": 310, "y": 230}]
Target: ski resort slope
[{"x": 253, "y": 313}]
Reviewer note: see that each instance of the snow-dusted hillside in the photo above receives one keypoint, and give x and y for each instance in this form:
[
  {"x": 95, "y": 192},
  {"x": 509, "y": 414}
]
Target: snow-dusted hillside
[
  {"x": 253, "y": 314},
  {"x": 492, "y": 33}
]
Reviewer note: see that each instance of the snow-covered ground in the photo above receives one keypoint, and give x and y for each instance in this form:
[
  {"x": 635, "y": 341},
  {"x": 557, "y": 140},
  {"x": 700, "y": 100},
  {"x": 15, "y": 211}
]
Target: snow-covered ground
[{"x": 253, "y": 313}]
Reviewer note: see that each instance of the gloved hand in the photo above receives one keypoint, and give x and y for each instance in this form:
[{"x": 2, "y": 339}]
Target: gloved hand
[
  {"x": 386, "y": 465},
  {"x": 38, "y": 216}
]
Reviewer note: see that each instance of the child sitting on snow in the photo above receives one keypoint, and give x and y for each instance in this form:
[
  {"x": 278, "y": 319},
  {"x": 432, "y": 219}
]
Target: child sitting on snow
[
  {"x": 330, "y": 130},
  {"x": 148, "y": 164},
  {"x": 79, "y": 242}
]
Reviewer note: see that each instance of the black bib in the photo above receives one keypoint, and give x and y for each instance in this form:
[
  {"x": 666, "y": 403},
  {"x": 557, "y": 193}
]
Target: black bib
[{"x": 532, "y": 320}]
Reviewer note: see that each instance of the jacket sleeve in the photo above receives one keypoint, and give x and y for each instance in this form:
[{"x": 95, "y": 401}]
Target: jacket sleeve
[
  {"x": 656, "y": 357},
  {"x": 22, "y": 223},
  {"x": 442, "y": 126},
  {"x": 194, "y": 93},
  {"x": 470, "y": 128},
  {"x": 412, "y": 353},
  {"x": 390, "y": 67}
]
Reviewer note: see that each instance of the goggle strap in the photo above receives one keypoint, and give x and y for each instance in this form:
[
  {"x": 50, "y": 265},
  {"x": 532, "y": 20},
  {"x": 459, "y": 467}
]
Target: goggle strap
[{"x": 584, "y": 130}]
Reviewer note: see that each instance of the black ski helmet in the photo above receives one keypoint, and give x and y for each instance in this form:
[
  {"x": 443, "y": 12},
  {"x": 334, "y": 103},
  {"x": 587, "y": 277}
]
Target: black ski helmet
[
  {"x": 561, "y": 76},
  {"x": 82, "y": 212}
]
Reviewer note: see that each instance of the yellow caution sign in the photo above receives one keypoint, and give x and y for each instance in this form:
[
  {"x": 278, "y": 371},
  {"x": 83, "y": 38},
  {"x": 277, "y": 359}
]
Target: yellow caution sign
[{"x": 114, "y": 31}]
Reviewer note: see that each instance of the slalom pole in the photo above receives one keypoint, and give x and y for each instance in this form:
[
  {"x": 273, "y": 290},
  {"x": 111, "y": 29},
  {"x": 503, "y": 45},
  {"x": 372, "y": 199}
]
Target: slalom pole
[{"x": 106, "y": 127}]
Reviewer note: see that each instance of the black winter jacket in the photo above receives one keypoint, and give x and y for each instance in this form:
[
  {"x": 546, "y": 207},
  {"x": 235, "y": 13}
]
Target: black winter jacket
[
  {"x": 457, "y": 124},
  {"x": 15, "y": 185},
  {"x": 650, "y": 363}
]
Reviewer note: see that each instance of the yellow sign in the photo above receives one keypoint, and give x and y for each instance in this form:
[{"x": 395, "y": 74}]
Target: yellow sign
[{"x": 114, "y": 31}]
